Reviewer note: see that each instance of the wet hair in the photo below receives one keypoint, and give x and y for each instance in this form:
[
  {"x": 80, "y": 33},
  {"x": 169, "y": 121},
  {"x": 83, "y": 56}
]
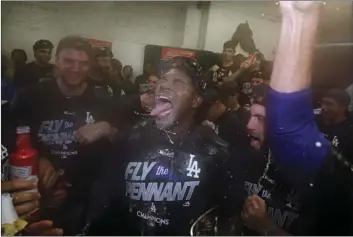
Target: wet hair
[
  {"x": 19, "y": 51},
  {"x": 116, "y": 64},
  {"x": 43, "y": 44},
  {"x": 187, "y": 65},
  {"x": 339, "y": 95},
  {"x": 229, "y": 45},
  {"x": 74, "y": 42}
]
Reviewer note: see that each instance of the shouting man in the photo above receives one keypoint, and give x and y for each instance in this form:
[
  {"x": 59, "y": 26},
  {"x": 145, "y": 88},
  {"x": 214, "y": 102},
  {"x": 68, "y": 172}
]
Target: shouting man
[
  {"x": 174, "y": 170},
  {"x": 296, "y": 186}
]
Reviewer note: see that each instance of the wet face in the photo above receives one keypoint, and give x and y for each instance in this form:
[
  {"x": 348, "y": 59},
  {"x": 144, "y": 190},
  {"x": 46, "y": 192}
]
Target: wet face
[
  {"x": 228, "y": 54},
  {"x": 330, "y": 109},
  {"x": 256, "y": 125},
  {"x": 43, "y": 55},
  {"x": 175, "y": 98},
  {"x": 104, "y": 64},
  {"x": 256, "y": 81},
  {"x": 72, "y": 66}
]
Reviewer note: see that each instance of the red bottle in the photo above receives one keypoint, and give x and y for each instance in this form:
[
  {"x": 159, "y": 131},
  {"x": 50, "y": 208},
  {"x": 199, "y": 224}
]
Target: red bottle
[{"x": 24, "y": 161}]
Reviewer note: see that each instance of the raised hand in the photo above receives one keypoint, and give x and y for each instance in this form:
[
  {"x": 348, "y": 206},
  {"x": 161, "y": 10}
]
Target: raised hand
[{"x": 291, "y": 8}]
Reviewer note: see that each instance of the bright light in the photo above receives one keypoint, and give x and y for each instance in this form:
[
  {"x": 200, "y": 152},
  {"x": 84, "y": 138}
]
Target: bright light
[
  {"x": 324, "y": 3},
  {"x": 277, "y": 3},
  {"x": 262, "y": 14}
]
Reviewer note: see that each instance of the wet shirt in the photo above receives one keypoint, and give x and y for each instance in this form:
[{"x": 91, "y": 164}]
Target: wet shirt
[
  {"x": 231, "y": 128},
  {"x": 299, "y": 211},
  {"x": 54, "y": 120},
  {"x": 168, "y": 186},
  {"x": 340, "y": 135},
  {"x": 32, "y": 73},
  {"x": 8, "y": 140}
]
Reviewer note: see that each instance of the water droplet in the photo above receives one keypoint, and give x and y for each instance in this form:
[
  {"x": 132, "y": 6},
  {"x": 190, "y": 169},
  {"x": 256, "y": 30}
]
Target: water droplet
[{"x": 318, "y": 144}]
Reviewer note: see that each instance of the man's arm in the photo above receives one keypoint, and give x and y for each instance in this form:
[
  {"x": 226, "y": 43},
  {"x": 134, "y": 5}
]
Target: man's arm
[{"x": 300, "y": 149}]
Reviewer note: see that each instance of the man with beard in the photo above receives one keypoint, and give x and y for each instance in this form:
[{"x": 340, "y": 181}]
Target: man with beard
[
  {"x": 285, "y": 196},
  {"x": 39, "y": 69},
  {"x": 100, "y": 76},
  {"x": 69, "y": 121},
  {"x": 174, "y": 169},
  {"x": 335, "y": 123}
]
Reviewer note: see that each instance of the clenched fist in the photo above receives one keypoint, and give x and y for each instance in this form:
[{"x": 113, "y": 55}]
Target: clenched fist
[{"x": 255, "y": 215}]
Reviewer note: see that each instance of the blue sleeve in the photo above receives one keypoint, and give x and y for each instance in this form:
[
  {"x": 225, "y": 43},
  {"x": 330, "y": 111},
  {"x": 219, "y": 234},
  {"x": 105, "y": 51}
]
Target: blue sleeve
[{"x": 298, "y": 146}]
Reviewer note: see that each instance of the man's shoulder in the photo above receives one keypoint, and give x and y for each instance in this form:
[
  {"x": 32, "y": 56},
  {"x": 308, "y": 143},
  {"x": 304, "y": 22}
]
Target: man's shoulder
[
  {"x": 209, "y": 143},
  {"x": 39, "y": 89}
]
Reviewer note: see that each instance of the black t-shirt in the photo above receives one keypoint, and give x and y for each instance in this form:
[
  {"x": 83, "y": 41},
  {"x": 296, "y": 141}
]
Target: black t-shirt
[
  {"x": 340, "y": 135},
  {"x": 107, "y": 87},
  {"x": 54, "y": 120},
  {"x": 223, "y": 72},
  {"x": 8, "y": 140},
  {"x": 32, "y": 73},
  {"x": 165, "y": 186},
  {"x": 323, "y": 207},
  {"x": 231, "y": 128}
]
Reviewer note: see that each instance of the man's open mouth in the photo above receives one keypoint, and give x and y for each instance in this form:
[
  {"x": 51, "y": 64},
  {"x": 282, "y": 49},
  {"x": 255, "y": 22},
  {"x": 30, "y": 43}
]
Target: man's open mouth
[
  {"x": 163, "y": 107},
  {"x": 255, "y": 142}
]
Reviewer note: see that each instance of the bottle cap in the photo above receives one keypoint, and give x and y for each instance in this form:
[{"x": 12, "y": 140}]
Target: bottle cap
[{"x": 23, "y": 130}]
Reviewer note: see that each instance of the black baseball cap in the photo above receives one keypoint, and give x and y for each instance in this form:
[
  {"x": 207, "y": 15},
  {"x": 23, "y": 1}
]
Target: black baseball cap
[
  {"x": 189, "y": 66},
  {"x": 43, "y": 44}
]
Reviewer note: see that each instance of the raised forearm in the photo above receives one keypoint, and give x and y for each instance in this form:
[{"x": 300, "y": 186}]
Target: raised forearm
[
  {"x": 292, "y": 67},
  {"x": 234, "y": 76}
]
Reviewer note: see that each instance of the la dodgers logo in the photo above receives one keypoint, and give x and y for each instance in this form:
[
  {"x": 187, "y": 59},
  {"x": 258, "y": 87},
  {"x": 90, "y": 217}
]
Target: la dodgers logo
[
  {"x": 89, "y": 118},
  {"x": 193, "y": 167}
]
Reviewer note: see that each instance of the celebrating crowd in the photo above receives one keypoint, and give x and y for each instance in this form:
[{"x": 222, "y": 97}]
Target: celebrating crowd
[{"x": 182, "y": 150}]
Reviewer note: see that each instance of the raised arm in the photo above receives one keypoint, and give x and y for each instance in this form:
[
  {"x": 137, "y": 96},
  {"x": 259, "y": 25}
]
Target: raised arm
[{"x": 300, "y": 149}]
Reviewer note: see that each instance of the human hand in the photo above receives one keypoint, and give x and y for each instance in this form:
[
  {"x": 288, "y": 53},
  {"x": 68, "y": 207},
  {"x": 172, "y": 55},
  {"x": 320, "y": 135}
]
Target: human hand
[
  {"x": 93, "y": 132},
  {"x": 47, "y": 173},
  {"x": 25, "y": 203},
  {"x": 255, "y": 215},
  {"x": 42, "y": 228},
  {"x": 215, "y": 68},
  {"x": 295, "y": 8}
]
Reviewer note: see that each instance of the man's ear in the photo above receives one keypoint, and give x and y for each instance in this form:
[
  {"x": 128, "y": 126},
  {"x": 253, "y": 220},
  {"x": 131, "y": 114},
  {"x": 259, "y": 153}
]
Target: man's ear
[{"x": 197, "y": 101}]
